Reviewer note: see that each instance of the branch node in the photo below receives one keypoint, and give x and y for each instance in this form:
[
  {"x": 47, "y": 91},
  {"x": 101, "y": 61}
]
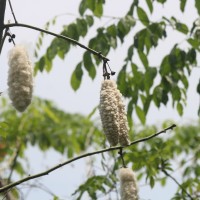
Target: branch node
[{"x": 122, "y": 157}]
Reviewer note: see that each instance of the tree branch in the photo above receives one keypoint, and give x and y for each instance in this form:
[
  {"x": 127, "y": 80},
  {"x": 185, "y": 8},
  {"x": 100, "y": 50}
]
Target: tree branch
[
  {"x": 11, "y": 185},
  {"x": 3, "y": 40},
  {"x": 58, "y": 36},
  {"x": 11, "y": 8},
  {"x": 183, "y": 189},
  {"x": 7, "y": 194},
  {"x": 14, "y": 162},
  {"x": 2, "y": 13}
]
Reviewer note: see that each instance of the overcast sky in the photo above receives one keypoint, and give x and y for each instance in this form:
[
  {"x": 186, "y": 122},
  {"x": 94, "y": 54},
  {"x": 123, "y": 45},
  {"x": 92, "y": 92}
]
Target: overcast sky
[{"x": 56, "y": 85}]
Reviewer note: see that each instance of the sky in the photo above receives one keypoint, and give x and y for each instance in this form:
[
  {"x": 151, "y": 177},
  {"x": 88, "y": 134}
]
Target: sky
[{"x": 56, "y": 85}]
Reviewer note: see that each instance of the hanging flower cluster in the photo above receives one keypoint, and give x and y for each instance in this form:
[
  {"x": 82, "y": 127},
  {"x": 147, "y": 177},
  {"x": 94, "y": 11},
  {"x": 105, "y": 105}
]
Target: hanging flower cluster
[
  {"x": 113, "y": 115},
  {"x": 128, "y": 186},
  {"x": 20, "y": 78}
]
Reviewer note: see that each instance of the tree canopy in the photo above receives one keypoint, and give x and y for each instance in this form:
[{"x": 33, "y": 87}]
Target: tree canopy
[{"x": 142, "y": 81}]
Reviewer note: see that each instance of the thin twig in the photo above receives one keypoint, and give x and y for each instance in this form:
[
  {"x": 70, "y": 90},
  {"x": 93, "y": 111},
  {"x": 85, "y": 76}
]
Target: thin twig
[
  {"x": 14, "y": 163},
  {"x": 183, "y": 189},
  {"x": 2, "y": 14},
  {"x": 40, "y": 186},
  {"x": 7, "y": 195},
  {"x": 122, "y": 157},
  {"x": 58, "y": 36},
  {"x": 11, "y": 8},
  {"x": 3, "y": 40},
  {"x": 11, "y": 185},
  {"x": 152, "y": 136}
]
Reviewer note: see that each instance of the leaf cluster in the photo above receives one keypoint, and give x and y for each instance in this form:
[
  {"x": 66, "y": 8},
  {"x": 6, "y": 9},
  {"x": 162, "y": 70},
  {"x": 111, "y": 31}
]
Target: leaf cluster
[
  {"x": 45, "y": 126},
  {"x": 140, "y": 82}
]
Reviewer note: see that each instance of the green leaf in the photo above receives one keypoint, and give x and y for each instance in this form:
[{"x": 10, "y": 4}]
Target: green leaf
[
  {"x": 184, "y": 80},
  {"x": 140, "y": 114},
  {"x": 70, "y": 152},
  {"x": 129, "y": 113},
  {"x": 113, "y": 42},
  {"x": 98, "y": 11},
  {"x": 92, "y": 185},
  {"x": 179, "y": 108},
  {"x": 149, "y": 77},
  {"x": 194, "y": 43},
  {"x": 123, "y": 28},
  {"x": 72, "y": 31},
  {"x": 176, "y": 93},
  {"x": 88, "y": 64},
  {"x": 121, "y": 80},
  {"x": 89, "y": 20},
  {"x": 165, "y": 67},
  {"x": 158, "y": 96},
  {"x": 144, "y": 59},
  {"x": 48, "y": 65},
  {"x": 91, "y": 5},
  {"x": 147, "y": 104},
  {"x": 130, "y": 20},
  {"x": 152, "y": 181},
  {"x": 142, "y": 16},
  {"x": 134, "y": 96},
  {"x": 41, "y": 64},
  {"x": 198, "y": 87},
  {"x": 133, "y": 5},
  {"x": 112, "y": 30},
  {"x": 82, "y": 7},
  {"x": 52, "y": 50},
  {"x": 161, "y": 1},
  {"x": 182, "y": 28},
  {"x": 50, "y": 114},
  {"x": 60, "y": 48},
  {"x": 100, "y": 43},
  {"x": 191, "y": 56},
  {"x": 150, "y": 5},
  {"x": 19, "y": 168},
  {"x": 197, "y": 5},
  {"x": 77, "y": 76},
  {"x": 182, "y": 5},
  {"x": 3, "y": 129},
  {"x": 130, "y": 52},
  {"x": 81, "y": 27}
]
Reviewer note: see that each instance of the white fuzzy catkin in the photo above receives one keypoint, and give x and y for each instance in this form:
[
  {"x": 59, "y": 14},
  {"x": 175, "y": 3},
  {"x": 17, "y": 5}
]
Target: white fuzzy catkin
[
  {"x": 113, "y": 115},
  {"x": 128, "y": 186},
  {"x": 20, "y": 78},
  {"x": 123, "y": 123}
]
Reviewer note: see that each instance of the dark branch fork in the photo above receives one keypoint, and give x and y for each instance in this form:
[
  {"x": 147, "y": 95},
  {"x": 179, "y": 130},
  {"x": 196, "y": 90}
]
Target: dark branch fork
[
  {"x": 16, "y": 24},
  {"x": 11, "y": 185},
  {"x": 2, "y": 13}
]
